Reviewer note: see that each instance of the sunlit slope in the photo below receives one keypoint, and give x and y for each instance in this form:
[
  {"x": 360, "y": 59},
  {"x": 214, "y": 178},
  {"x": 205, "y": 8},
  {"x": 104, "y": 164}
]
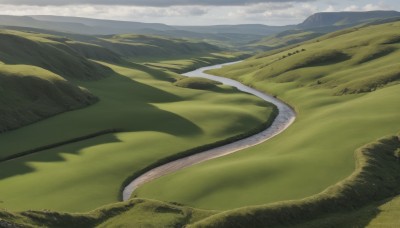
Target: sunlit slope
[
  {"x": 283, "y": 39},
  {"x": 345, "y": 88},
  {"x": 155, "y": 120},
  {"x": 146, "y": 46},
  {"x": 188, "y": 63}
]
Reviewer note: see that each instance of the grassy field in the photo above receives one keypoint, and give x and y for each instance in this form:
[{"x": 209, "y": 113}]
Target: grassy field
[
  {"x": 152, "y": 112},
  {"x": 343, "y": 86},
  {"x": 345, "y": 204},
  {"x": 139, "y": 212},
  {"x": 283, "y": 39},
  {"x": 183, "y": 64},
  {"x": 29, "y": 94}
]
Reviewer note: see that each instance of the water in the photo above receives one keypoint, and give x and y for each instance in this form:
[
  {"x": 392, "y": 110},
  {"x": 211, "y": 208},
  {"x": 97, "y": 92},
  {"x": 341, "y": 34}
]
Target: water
[{"x": 283, "y": 120}]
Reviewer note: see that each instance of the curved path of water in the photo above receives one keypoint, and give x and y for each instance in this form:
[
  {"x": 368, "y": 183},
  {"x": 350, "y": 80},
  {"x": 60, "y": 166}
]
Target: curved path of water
[{"x": 284, "y": 119}]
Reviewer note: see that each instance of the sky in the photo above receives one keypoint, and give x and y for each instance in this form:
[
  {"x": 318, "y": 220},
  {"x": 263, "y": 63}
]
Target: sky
[{"x": 191, "y": 12}]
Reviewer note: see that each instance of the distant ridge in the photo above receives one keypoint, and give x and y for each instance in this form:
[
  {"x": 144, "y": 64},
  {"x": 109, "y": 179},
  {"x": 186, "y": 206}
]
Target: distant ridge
[{"x": 345, "y": 18}]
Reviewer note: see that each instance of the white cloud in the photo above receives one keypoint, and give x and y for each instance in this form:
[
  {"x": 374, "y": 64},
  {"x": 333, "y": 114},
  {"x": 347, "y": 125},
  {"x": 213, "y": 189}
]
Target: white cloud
[
  {"x": 368, "y": 7},
  {"x": 352, "y": 8},
  {"x": 274, "y": 11},
  {"x": 103, "y": 11},
  {"x": 330, "y": 8},
  {"x": 379, "y": 6},
  {"x": 266, "y": 12}
]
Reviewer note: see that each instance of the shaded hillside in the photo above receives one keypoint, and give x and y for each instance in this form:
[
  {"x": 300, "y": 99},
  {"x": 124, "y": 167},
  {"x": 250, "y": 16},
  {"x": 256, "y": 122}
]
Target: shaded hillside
[
  {"x": 344, "y": 85},
  {"x": 29, "y": 94},
  {"x": 145, "y": 46},
  {"x": 283, "y": 39},
  {"x": 320, "y": 24},
  {"x": 369, "y": 54},
  {"x": 48, "y": 52},
  {"x": 34, "y": 73},
  {"x": 345, "y": 18},
  {"x": 228, "y": 36}
]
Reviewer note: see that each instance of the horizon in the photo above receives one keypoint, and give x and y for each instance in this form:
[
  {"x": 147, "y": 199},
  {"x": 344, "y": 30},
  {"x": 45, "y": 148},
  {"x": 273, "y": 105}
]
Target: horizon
[
  {"x": 83, "y": 17},
  {"x": 193, "y": 13}
]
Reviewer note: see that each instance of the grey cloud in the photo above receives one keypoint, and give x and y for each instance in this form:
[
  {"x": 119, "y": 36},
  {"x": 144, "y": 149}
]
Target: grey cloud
[
  {"x": 155, "y": 3},
  {"x": 261, "y": 8}
]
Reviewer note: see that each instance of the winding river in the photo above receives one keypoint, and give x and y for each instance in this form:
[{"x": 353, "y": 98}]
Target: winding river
[{"x": 284, "y": 119}]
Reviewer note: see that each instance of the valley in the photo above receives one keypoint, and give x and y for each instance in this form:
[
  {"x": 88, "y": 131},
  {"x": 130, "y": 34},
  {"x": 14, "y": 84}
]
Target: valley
[{"x": 107, "y": 123}]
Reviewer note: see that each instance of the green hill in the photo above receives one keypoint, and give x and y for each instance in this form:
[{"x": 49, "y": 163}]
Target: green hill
[
  {"x": 137, "y": 47},
  {"x": 345, "y": 18},
  {"x": 48, "y": 52},
  {"x": 283, "y": 39},
  {"x": 53, "y": 65},
  {"x": 345, "y": 89},
  {"x": 35, "y": 78},
  {"x": 43, "y": 74},
  {"x": 29, "y": 94}
]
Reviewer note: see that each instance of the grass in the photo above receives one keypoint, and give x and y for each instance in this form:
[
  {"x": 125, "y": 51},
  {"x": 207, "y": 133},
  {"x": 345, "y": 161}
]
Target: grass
[
  {"x": 152, "y": 112},
  {"x": 136, "y": 47},
  {"x": 183, "y": 64},
  {"x": 375, "y": 178},
  {"x": 340, "y": 86},
  {"x": 300, "y": 162},
  {"x": 43, "y": 75},
  {"x": 138, "y": 211},
  {"x": 347, "y": 203},
  {"x": 196, "y": 83},
  {"x": 44, "y": 52},
  {"x": 283, "y": 39},
  {"x": 29, "y": 94}
]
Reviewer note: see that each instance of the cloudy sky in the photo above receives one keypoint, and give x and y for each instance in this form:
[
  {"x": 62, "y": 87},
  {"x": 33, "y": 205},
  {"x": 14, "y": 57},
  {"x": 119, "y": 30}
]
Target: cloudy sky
[{"x": 192, "y": 12}]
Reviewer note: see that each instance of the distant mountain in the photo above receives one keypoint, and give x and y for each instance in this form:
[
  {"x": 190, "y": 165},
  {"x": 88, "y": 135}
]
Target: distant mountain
[
  {"x": 256, "y": 29},
  {"x": 232, "y": 35},
  {"x": 105, "y": 27},
  {"x": 345, "y": 18},
  {"x": 226, "y": 36}
]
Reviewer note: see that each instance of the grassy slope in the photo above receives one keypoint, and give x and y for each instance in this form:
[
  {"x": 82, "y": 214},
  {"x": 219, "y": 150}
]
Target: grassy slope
[
  {"x": 35, "y": 78},
  {"x": 153, "y": 113},
  {"x": 139, "y": 212},
  {"x": 48, "y": 52},
  {"x": 150, "y": 47},
  {"x": 300, "y": 162},
  {"x": 283, "y": 39},
  {"x": 196, "y": 83},
  {"x": 188, "y": 63},
  {"x": 389, "y": 214},
  {"x": 29, "y": 94},
  {"x": 376, "y": 177}
]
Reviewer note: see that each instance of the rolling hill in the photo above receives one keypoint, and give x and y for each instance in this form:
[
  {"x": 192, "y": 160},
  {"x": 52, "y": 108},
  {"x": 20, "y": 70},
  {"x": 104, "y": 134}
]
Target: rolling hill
[
  {"x": 344, "y": 85},
  {"x": 335, "y": 166},
  {"x": 227, "y": 36},
  {"x": 40, "y": 72},
  {"x": 29, "y": 94},
  {"x": 327, "y": 19},
  {"x": 56, "y": 77},
  {"x": 35, "y": 74},
  {"x": 320, "y": 24}
]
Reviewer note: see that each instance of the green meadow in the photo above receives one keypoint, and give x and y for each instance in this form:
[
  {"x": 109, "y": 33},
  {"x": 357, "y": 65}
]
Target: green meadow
[
  {"x": 81, "y": 115},
  {"x": 149, "y": 116},
  {"x": 151, "y": 113},
  {"x": 344, "y": 87}
]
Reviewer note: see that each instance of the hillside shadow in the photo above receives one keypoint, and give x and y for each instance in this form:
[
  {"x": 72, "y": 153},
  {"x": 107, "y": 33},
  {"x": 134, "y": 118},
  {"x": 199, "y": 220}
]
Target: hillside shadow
[
  {"x": 154, "y": 73},
  {"x": 128, "y": 109},
  {"x": 20, "y": 166}
]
